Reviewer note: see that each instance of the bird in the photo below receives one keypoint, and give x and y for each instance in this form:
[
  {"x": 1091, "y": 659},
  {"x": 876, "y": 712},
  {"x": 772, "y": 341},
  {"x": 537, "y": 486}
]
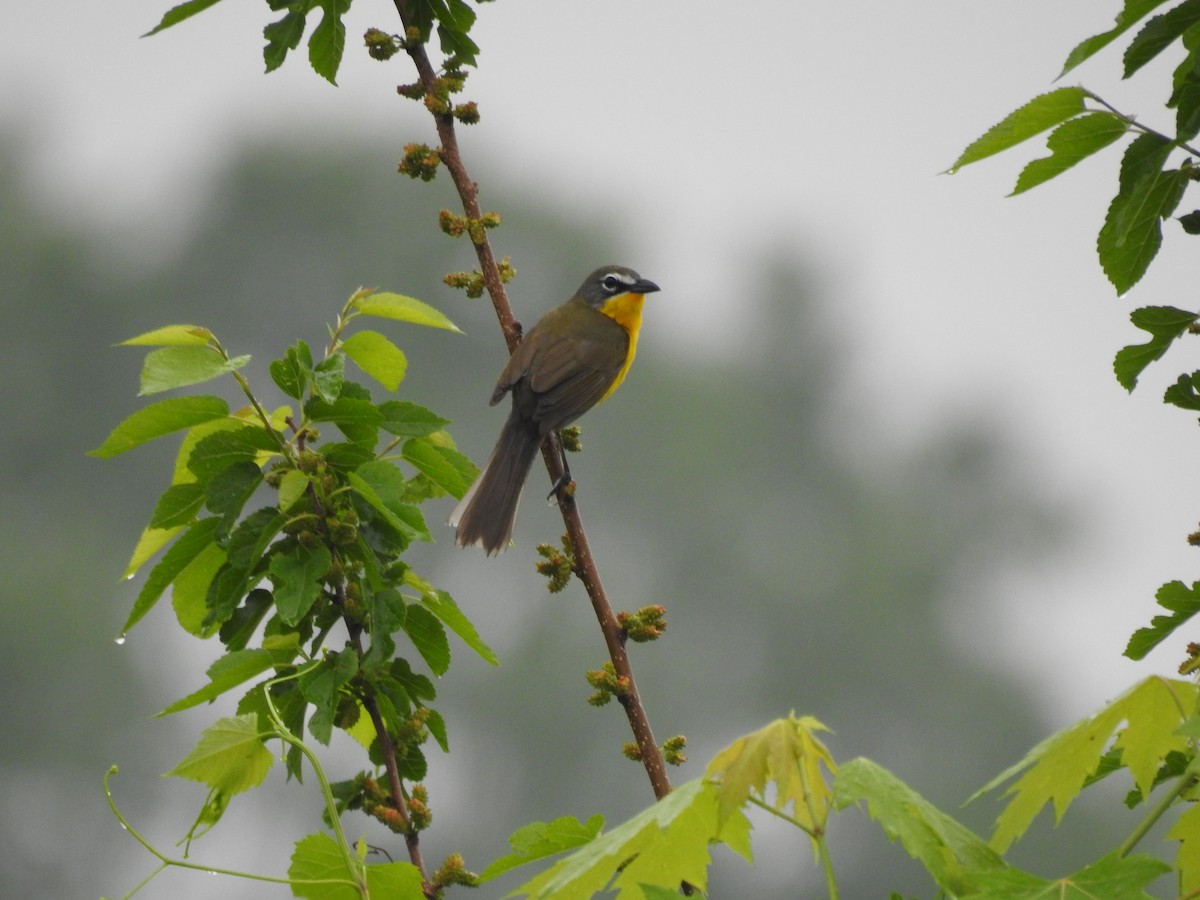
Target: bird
[{"x": 573, "y": 358}]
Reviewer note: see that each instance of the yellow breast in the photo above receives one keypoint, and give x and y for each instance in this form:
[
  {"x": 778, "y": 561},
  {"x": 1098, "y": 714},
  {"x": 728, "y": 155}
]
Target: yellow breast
[{"x": 626, "y": 311}]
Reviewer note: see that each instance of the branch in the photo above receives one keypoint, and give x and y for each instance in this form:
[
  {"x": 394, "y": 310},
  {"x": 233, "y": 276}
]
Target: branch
[{"x": 585, "y": 566}]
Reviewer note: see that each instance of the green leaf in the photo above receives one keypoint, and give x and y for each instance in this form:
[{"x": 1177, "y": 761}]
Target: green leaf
[
  {"x": 786, "y": 753},
  {"x": 1185, "y": 93},
  {"x": 429, "y": 637},
  {"x": 241, "y": 626},
  {"x": 184, "y": 550},
  {"x": 1159, "y": 33},
  {"x": 378, "y": 357},
  {"x": 231, "y": 487},
  {"x": 292, "y": 373},
  {"x": 230, "y": 756},
  {"x": 180, "y": 366},
  {"x": 1133, "y": 12},
  {"x": 177, "y": 14},
  {"x": 406, "y": 419},
  {"x": 947, "y": 848},
  {"x": 173, "y": 367},
  {"x": 328, "y": 376},
  {"x": 1186, "y": 830},
  {"x": 386, "y": 305},
  {"x": 1069, "y": 143},
  {"x": 229, "y": 447},
  {"x": 448, "y": 469},
  {"x": 358, "y": 420},
  {"x": 383, "y": 486},
  {"x": 538, "y": 840},
  {"x": 178, "y": 505},
  {"x": 1165, "y": 324},
  {"x": 443, "y": 606},
  {"x": 662, "y": 846},
  {"x": 321, "y": 871},
  {"x": 171, "y": 336},
  {"x": 1057, "y": 768},
  {"x": 298, "y": 577},
  {"x": 158, "y": 419},
  {"x": 1185, "y": 392},
  {"x": 245, "y": 546},
  {"x": 1042, "y": 112},
  {"x": 328, "y": 40},
  {"x": 284, "y": 34},
  {"x": 1111, "y": 876},
  {"x": 1181, "y": 601},
  {"x": 189, "y": 591},
  {"x": 228, "y": 672},
  {"x": 1132, "y": 231},
  {"x": 321, "y": 686}
]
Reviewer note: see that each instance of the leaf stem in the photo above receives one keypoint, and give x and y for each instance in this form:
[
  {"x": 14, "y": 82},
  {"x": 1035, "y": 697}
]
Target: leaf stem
[
  {"x": 1145, "y": 129},
  {"x": 1185, "y": 781}
]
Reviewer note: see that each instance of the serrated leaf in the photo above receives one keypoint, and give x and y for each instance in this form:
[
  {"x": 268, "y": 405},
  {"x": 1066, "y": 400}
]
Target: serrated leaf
[
  {"x": 538, "y": 840},
  {"x": 1159, "y": 33},
  {"x": 177, "y": 14},
  {"x": 159, "y": 419},
  {"x": 947, "y": 848},
  {"x": 1070, "y": 143},
  {"x": 1182, "y": 602},
  {"x": 321, "y": 686},
  {"x": 328, "y": 40},
  {"x": 662, "y": 846},
  {"x": 1057, "y": 768},
  {"x": 1164, "y": 324},
  {"x": 1111, "y": 876},
  {"x": 447, "y": 468},
  {"x": 189, "y": 591},
  {"x": 382, "y": 486},
  {"x": 227, "y": 447},
  {"x": 230, "y": 756},
  {"x": 150, "y": 541},
  {"x": 245, "y": 546},
  {"x": 231, "y": 487},
  {"x": 328, "y": 376},
  {"x": 319, "y": 870},
  {"x": 184, "y": 550},
  {"x": 227, "y": 673},
  {"x": 292, "y": 373},
  {"x": 178, "y": 506},
  {"x": 429, "y": 637},
  {"x": 173, "y": 367},
  {"x": 1185, "y": 88},
  {"x": 357, "y": 419},
  {"x": 443, "y": 606},
  {"x": 1185, "y": 392},
  {"x": 386, "y": 305},
  {"x": 405, "y": 419},
  {"x": 1132, "y": 13},
  {"x": 292, "y": 486},
  {"x": 378, "y": 357},
  {"x": 785, "y": 753},
  {"x": 171, "y": 336},
  {"x": 298, "y": 577},
  {"x": 1186, "y": 830},
  {"x": 1042, "y": 112},
  {"x": 283, "y": 35},
  {"x": 1132, "y": 231}
]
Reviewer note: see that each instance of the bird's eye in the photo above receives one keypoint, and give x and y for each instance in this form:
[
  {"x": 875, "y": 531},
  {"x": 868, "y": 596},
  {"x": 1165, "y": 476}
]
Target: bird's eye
[{"x": 610, "y": 282}]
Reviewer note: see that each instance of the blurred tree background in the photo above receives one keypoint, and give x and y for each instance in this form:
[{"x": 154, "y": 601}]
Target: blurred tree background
[{"x": 805, "y": 562}]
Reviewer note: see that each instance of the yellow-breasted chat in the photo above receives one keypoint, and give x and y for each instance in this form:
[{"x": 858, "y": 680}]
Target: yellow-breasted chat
[{"x": 574, "y": 357}]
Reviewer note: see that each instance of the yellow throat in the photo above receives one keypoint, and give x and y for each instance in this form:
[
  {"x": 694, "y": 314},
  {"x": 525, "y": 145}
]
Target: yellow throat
[{"x": 626, "y": 311}]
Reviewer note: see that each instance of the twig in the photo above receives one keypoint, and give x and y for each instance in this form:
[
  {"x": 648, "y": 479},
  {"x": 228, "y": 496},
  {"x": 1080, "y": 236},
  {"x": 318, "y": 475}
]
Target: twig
[{"x": 585, "y": 566}]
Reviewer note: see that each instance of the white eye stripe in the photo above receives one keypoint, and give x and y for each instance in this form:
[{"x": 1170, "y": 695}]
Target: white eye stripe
[{"x": 614, "y": 280}]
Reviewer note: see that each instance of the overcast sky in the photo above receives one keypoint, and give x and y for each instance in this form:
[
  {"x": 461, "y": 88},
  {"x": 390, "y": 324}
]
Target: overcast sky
[{"x": 819, "y": 127}]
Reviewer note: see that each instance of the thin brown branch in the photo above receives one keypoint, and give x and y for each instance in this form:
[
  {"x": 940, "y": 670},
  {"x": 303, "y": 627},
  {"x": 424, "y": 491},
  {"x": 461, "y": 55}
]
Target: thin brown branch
[{"x": 585, "y": 565}]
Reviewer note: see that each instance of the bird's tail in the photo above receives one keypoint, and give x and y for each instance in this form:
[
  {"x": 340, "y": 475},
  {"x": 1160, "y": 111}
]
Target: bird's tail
[{"x": 487, "y": 511}]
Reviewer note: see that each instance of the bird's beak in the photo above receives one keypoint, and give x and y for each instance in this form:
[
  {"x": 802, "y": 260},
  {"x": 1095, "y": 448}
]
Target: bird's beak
[{"x": 645, "y": 286}]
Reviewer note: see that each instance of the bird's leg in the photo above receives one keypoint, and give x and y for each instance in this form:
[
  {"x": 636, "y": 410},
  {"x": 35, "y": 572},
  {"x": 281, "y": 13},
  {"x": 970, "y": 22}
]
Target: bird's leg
[{"x": 565, "y": 486}]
